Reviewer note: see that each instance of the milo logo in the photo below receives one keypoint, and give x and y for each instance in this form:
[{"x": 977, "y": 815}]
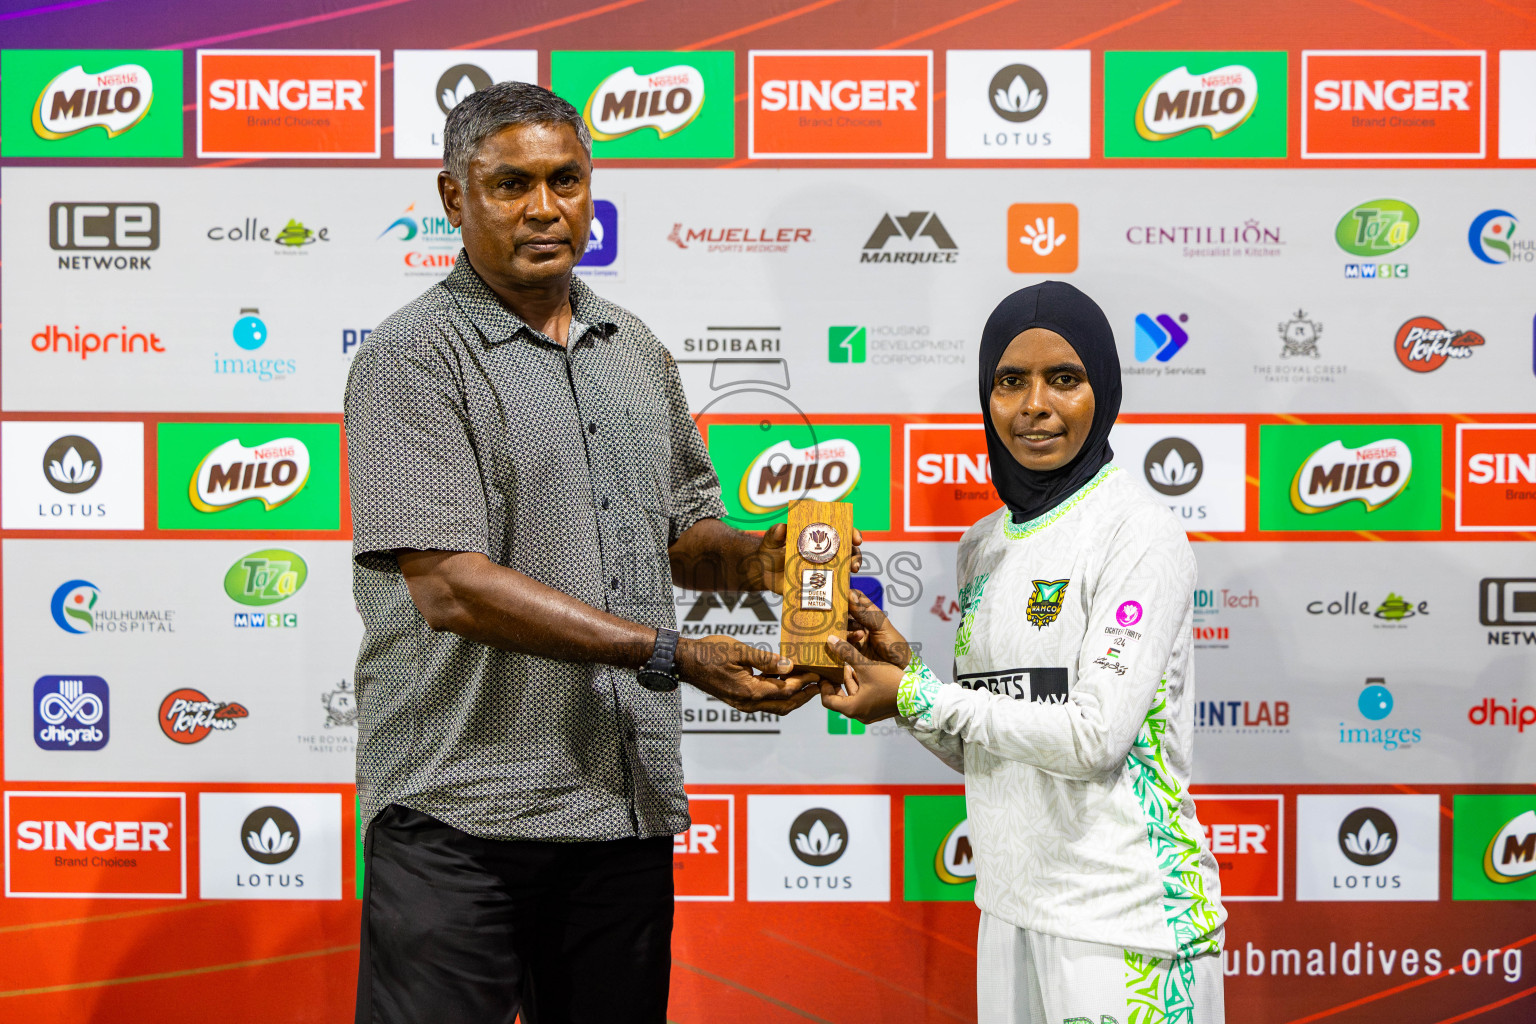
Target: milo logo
[
  {"x": 1218, "y": 101},
  {"x": 115, "y": 99},
  {"x": 826, "y": 471},
  {"x": 271, "y": 473},
  {"x": 1372, "y": 474},
  {"x": 667, "y": 100}
]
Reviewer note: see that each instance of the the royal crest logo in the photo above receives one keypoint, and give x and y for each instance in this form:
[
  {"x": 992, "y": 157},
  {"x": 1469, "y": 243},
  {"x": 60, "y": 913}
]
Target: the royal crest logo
[
  {"x": 1299, "y": 335},
  {"x": 1372, "y": 474},
  {"x": 667, "y": 100},
  {"x": 1218, "y": 101},
  {"x": 1045, "y": 604},
  {"x": 271, "y": 473}
]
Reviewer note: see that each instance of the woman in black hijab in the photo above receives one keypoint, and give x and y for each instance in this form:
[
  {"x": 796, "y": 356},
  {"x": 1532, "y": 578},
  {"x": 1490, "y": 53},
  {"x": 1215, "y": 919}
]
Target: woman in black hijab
[{"x": 1072, "y": 717}]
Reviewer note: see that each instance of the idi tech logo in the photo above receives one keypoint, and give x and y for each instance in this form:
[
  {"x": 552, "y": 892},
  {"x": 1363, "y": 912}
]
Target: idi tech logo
[
  {"x": 212, "y": 478},
  {"x": 1424, "y": 344},
  {"x": 1491, "y": 237},
  {"x": 1017, "y": 104},
  {"x": 430, "y": 83},
  {"x": 71, "y": 713},
  {"x": 1375, "y": 229},
  {"x": 1247, "y": 837},
  {"x": 1195, "y": 104},
  {"x": 1392, "y": 104},
  {"x": 96, "y": 845},
  {"x": 1383, "y": 476},
  {"x": 840, "y": 104},
  {"x": 1493, "y": 847},
  {"x": 1495, "y": 476},
  {"x": 299, "y": 104},
  {"x": 655, "y": 104},
  {"x": 91, "y": 103},
  {"x": 112, "y": 236},
  {"x": 1042, "y": 238},
  {"x": 774, "y": 463},
  {"x": 936, "y": 849}
]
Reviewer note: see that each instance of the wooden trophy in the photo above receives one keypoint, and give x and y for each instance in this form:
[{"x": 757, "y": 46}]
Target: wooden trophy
[{"x": 818, "y": 560}]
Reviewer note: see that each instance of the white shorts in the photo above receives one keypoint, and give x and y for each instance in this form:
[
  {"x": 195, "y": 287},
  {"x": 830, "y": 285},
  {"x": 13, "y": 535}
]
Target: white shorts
[{"x": 1024, "y": 977}]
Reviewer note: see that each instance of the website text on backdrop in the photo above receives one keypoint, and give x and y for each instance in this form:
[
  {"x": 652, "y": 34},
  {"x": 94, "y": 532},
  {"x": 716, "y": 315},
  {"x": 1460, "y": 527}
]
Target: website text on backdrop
[
  {"x": 527, "y": 485},
  {"x": 1072, "y": 718}
]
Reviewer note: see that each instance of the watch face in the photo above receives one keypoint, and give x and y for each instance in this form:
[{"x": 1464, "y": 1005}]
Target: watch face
[
  {"x": 660, "y": 682},
  {"x": 818, "y": 543}
]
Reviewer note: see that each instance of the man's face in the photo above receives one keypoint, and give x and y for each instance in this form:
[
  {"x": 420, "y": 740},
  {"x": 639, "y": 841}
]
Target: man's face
[{"x": 526, "y": 207}]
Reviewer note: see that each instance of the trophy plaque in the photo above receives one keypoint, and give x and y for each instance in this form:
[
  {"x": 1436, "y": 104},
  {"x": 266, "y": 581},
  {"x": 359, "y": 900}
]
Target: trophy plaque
[{"x": 818, "y": 555}]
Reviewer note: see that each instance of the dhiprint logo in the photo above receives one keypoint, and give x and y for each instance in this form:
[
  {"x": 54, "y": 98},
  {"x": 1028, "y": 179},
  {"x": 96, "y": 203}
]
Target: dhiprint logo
[
  {"x": 1373, "y": 475},
  {"x": 1042, "y": 238},
  {"x": 1018, "y": 93},
  {"x": 1218, "y": 101},
  {"x": 1424, "y": 344},
  {"x": 1173, "y": 466},
  {"x": 270, "y": 835},
  {"x": 1491, "y": 239},
  {"x": 818, "y": 837},
  {"x": 1045, "y": 603},
  {"x": 71, "y": 713},
  {"x": 909, "y": 228},
  {"x": 1366, "y": 836},
  {"x": 72, "y": 604},
  {"x": 1161, "y": 338},
  {"x": 266, "y": 577},
  {"x": 104, "y": 227},
  {"x": 272, "y": 473},
  {"x": 89, "y": 343},
  {"x": 188, "y": 716},
  {"x": 72, "y": 464}
]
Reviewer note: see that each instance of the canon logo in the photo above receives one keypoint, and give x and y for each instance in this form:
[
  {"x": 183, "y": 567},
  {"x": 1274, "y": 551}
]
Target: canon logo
[
  {"x": 100, "y": 836},
  {"x": 288, "y": 94},
  {"x": 1399, "y": 94},
  {"x": 846, "y": 94}
]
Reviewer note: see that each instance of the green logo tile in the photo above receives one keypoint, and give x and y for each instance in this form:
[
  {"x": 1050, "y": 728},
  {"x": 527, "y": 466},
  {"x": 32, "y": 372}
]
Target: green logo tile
[{"x": 90, "y": 103}]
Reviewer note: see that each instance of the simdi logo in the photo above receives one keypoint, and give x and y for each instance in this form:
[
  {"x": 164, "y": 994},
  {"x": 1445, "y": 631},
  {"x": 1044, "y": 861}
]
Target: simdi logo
[
  {"x": 249, "y": 476},
  {"x": 97, "y": 845},
  {"x": 1495, "y": 476},
  {"x": 651, "y": 103},
  {"x": 288, "y": 103},
  {"x": 840, "y": 104},
  {"x": 1382, "y": 476},
  {"x": 1392, "y": 104},
  {"x": 91, "y": 103},
  {"x": 1195, "y": 104}
]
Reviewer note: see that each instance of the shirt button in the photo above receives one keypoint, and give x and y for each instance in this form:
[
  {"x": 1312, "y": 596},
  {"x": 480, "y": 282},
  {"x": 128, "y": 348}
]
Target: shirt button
[
  {"x": 615, "y": 583},
  {"x": 591, "y": 428},
  {"x": 605, "y": 504}
]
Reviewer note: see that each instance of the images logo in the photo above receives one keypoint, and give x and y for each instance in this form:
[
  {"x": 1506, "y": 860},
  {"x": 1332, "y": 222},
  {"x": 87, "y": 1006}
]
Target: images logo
[
  {"x": 272, "y": 473},
  {"x": 1493, "y": 845},
  {"x": 250, "y": 331},
  {"x": 645, "y": 103},
  {"x": 265, "y": 577},
  {"x": 53, "y": 102},
  {"x": 1349, "y": 477},
  {"x": 289, "y": 483},
  {"x": 1195, "y": 104},
  {"x": 818, "y": 837},
  {"x": 774, "y": 463},
  {"x": 1162, "y": 337},
  {"x": 1495, "y": 476},
  {"x": 1424, "y": 344},
  {"x": 188, "y": 716},
  {"x": 1042, "y": 238},
  {"x": 1391, "y": 104},
  {"x": 915, "y": 225},
  {"x": 71, "y": 713},
  {"x": 71, "y": 464},
  {"x": 866, "y": 104},
  {"x": 1375, "y": 703},
  {"x": 1491, "y": 238},
  {"x": 313, "y": 104},
  {"x": 71, "y": 606}
]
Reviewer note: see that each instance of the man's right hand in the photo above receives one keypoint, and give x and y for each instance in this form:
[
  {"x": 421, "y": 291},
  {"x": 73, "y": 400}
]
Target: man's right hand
[{"x": 722, "y": 667}]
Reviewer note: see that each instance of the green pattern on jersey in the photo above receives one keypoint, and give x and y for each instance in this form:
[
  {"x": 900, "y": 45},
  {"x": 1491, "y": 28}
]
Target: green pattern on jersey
[
  {"x": 970, "y": 600},
  {"x": 1159, "y": 991},
  {"x": 1018, "y": 531}
]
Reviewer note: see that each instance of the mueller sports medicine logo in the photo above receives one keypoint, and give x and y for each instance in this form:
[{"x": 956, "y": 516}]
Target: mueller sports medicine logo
[
  {"x": 1372, "y": 474},
  {"x": 288, "y": 103},
  {"x": 271, "y": 473},
  {"x": 1392, "y": 104},
  {"x": 113, "y": 236},
  {"x": 737, "y": 239},
  {"x": 1495, "y": 476},
  {"x": 826, "y": 471},
  {"x": 1424, "y": 344},
  {"x": 1218, "y": 101},
  {"x": 916, "y": 237},
  {"x": 868, "y": 104},
  {"x": 666, "y": 100},
  {"x": 115, "y": 100},
  {"x": 71, "y": 713}
]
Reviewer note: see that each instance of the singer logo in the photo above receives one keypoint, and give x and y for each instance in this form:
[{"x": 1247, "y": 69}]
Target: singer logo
[
  {"x": 811, "y": 105},
  {"x": 1392, "y": 104},
  {"x": 948, "y": 478},
  {"x": 271, "y": 473},
  {"x": 102, "y": 845},
  {"x": 1496, "y": 476},
  {"x": 1246, "y": 835},
  {"x": 288, "y": 103},
  {"x": 702, "y": 856},
  {"x": 1042, "y": 238}
]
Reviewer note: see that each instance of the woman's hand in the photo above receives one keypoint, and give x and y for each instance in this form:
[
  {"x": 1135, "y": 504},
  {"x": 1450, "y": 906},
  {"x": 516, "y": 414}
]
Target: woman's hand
[
  {"x": 871, "y": 632},
  {"x": 868, "y": 692}
]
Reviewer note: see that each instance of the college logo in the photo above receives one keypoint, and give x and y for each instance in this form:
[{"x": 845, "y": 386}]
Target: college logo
[
  {"x": 294, "y": 237},
  {"x": 1017, "y": 104},
  {"x": 1493, "y": 846},
  {"x": 101, "y": 228},
  {"x": 1045, "y": 603},
  {"x": 1495, "y": 476},
  {"x": 188, "y": 716},
  {"x": 1367, "y": 847},
  {"x": 314, "y": 104},
  {"x": 1246, "y": 835},
  {"x": 948, "y": 477},
  {"x": 1394, "y": 609},
  {"x": 1161, "y": 338},
  {"x": 54, "y": 98},
  {"x": 265, "y": 577},
  {"x": 1195, "y": 104},
  {"x": 95, "y": 845},
  {"x": 430, "y": 83},
  {"x": 702, "y": 855},
  {"x": 289, "y": 482},
  {"x": 1491, "y": 237},
  {"x": 271, "y": 473},
  {"x": 940, "y": 859},
  {"x": 908, "y": 229},
  {"x": 71, "y": 713},
  {"x": 1042, "y": 238},
  {"x": 1391, "y": 104},
  {"x": 824, "y": 461},
  {"x": 645, "y": 103},
  {"x": 1424, "y": 344},
  {"x": 1349, "y": 477},
  {"x": 851, "y": 104}
]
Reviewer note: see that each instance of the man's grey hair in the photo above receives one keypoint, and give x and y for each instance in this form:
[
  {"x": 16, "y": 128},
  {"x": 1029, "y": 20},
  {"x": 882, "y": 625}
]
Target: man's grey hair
[{"x": 482, "y": 114}]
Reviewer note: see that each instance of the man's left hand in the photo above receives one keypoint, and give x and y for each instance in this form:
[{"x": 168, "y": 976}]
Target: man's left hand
[{"x": 767, "y": 566}]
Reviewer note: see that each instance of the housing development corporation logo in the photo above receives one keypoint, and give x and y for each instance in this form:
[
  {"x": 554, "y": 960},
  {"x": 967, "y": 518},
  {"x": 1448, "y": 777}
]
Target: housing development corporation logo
[
  {"x": 313, "y": 104},
  {"x": 71, "y": 713},
  {"x": 821, "y": 104},
  {"x": 916, "y": 237},
  {"x": 651, "y": 103},
  {"x": 1195, "y": 104},
  {"x": 1424, "y": 344},
  {"x": 1382, "y": 476},
  {"x": 1376, "y": 228},
  {"x": 1392, "y": 104},
  {"x": 91, "y": 103}
]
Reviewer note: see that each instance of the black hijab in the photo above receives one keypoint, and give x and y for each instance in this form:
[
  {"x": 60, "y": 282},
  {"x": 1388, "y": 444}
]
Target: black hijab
[{"x": 1056, "y": 306}]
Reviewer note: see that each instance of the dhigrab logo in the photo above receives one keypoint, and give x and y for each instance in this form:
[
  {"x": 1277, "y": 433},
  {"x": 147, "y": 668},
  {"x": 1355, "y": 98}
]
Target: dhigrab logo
[{"x": 71, "y": 713}]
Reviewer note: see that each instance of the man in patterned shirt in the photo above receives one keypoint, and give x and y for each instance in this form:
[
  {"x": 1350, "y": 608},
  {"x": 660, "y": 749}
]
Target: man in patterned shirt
[{"x": 526, "y": 487}]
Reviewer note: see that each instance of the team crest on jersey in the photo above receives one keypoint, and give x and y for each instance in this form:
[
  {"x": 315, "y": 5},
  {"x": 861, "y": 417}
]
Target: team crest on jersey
[{"x": 1045, "y": 605}]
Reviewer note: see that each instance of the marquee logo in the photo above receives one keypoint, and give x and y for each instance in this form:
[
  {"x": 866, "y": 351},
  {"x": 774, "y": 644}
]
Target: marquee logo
[
  {"x": 1495, "y": 476},
  {"x": 1373, "y": 474},
  {"x": 819, "y": 104},
  {"x": 826, "y": 471},
  {"x": 1218, "y": 101},
  {"x": 1195, "y": 104},
  {"x": 1392, "y": 104},
  {"x": 272, "y": 473},
  {"x": 265, "y": 577},
  {"x": 666, "y": 100},
  {"x": 188, "y": 716},
  {"x": 288, "y": 103},
  {"x": 919, "y": 224},
  {"x": 1424, "y": 344},
  {"x": 92, "y": 103},
  {"x": 641, "y": 103}
]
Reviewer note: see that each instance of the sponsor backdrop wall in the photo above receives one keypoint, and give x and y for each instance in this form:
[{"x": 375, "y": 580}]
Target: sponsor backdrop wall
[{"x": 1310, "y": 225}]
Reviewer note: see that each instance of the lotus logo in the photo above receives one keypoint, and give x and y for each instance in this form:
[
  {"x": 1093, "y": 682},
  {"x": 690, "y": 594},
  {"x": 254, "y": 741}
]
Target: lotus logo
[
  {"x": 1178, "y": 102},
  {"x": 667, "y": 100},
  {"x": 826, "y": 471},
  {"x": 72, "y": 606},
  {"x": 818, "y": 837},
  {"x": 1372, "y": 474},
  {"x": 270, "y": 835},
  {"x": 72, "y": 464},
  {"x": 1173, "y": 466},
  {"x": 1511, "y": 854},
  {"x": 1018, "y": 93},
  {"x": 272, "y": 473},
  {"x": 458, "y": 82},
  {"x": 1367, "y": 836}
]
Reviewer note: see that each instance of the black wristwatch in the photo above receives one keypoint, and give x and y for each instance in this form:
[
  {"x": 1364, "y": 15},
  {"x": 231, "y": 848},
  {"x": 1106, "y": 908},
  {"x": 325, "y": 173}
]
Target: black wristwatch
[{"x": 660, "y": 673}]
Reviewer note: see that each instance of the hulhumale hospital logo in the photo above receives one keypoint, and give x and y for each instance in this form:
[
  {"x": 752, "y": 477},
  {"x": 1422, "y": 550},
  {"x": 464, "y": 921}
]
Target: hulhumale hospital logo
[
  {"x": 72, "y": 605},
  {"x": 1491, "y": 237}
]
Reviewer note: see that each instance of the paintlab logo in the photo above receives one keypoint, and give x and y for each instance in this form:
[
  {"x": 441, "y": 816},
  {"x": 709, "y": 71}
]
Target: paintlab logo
[
  {"x": 1424, "y": 344},
  {"x": 314, "y": 104},
  {"x": 917, "y": 237},
  {"x": 1392, "y": 104},
  {"x": 272, "y": 473},
  {"x": 846, "y": 104},
  {"x": 1491, "y": 237},
  {"x": 1334, "y": 474},
  {"x": 1160, "y": 338},
  {"x": 651, "y": 103},
  {"x": 1042, "y": 238},
  {"x": 1496, "y": 476},
  {"x": 91, "y": 103},
  {"x": 188, "y": 716},
  {"x": 113, "y": 845},
  {"x": 71, "y": 713},
  {"x": 1195, "y": 104},
  {"x": 102, "y": 228}
]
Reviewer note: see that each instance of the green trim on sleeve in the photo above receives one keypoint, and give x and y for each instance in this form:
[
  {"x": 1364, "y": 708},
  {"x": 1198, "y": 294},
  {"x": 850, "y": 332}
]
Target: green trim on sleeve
[{"x": 915, "y": 696}]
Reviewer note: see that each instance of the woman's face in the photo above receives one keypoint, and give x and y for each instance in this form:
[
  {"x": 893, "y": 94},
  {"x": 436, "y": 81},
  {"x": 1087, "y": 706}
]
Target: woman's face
[{"x": 1042, "y": 404}]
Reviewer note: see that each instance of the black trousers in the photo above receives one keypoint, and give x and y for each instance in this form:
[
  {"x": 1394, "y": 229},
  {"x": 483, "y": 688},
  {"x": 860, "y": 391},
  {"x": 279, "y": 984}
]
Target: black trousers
[{"x": 462, "y": 929}]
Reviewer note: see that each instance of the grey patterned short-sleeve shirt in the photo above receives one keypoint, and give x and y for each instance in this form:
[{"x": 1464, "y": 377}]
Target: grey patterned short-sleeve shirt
[{"x": 467, "y": 430}]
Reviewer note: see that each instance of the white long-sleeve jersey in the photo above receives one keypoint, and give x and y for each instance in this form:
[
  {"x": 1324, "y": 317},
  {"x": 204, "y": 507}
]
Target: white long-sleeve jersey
[{"x": 1073, "y": 720}]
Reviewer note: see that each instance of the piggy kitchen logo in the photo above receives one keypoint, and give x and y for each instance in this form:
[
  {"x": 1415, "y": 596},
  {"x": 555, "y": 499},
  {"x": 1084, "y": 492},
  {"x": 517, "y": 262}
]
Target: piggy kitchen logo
[
  {"x": 188, "y": 716},
  {"x": 1373, "y": 474},
  {"x": 1376, "y": 228},
  {"x": 826, "y": 471},
  {"x": 1219, "y": 101},
  {"x": 1392, "y": 104},
  {"x": 91, "y": 103},
  {"x": 272, "y": 473},
  {"x": 651, "y": 103},
  {"x": 1423, "y": 344},
  {"x": 1045, "y": 603},
  {"x": 299, "y": 104},
  {"x": 1195, "y": 104},
  {"x": 841, "y": 104},
  {"x": 924, "y": 236}
]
